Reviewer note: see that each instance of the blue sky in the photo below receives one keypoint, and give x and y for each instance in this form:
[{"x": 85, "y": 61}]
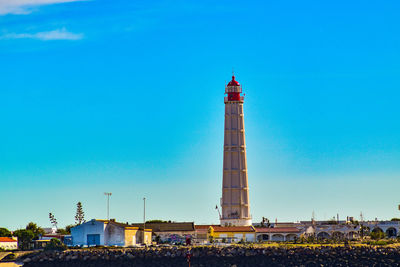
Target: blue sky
[{"x": 127, "y": 97}]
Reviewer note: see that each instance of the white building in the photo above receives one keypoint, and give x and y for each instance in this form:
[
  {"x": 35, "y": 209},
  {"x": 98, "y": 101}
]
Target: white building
[
  {"x": 171, "y": 232},
  {"x": 108, "y": 233},
  {"x": 278, "y": 234},
  {"x": 8, "y": 243},
  {"x": 235, "y": 189},
  {"x": 390, "y": 228}
]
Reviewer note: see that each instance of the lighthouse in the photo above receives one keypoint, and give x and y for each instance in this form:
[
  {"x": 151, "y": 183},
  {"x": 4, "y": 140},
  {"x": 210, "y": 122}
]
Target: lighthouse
[{"x": 235, "y": 187}]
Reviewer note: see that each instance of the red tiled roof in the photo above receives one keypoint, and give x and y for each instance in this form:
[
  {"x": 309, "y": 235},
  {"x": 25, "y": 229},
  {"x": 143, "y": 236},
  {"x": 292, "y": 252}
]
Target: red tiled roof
[
  {"x": 7, "y": 239},
  {"x": 233, "y": 229},
  {"x": 278, "y": 230},
  {"x": 204, "y": 227},
  {"x": 53, "y": 235},
  {"x": 168, "y": 226}
]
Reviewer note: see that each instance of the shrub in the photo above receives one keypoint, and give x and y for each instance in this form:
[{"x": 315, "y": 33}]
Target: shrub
[
  {"x": 55, "y": 244},
  {"x": 10, "y": 257},
  {"x": 377, "y": 235}
]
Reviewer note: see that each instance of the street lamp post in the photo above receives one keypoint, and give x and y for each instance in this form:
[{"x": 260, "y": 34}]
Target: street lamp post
[
  {"x": 108, "y": 194},
  {"x": 144, "y": 220}
]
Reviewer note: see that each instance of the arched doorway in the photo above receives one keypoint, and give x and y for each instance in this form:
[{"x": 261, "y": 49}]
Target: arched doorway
[
  {"x": 391, "y": 232},
  {"x": 323, "y": 235},
  {"x": 278, "y": 237},
  {"x": 338, "y": 235},
  {"x": 377, "y": 230},
  {"x": 291, "y": 237},
  {"x": 352, "y": 235},
  {"x": 263, "y": 237}
]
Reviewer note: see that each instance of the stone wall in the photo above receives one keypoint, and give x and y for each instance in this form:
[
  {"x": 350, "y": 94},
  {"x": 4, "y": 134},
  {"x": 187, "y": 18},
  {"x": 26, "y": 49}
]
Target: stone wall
[{"x": 220, "y": 256}]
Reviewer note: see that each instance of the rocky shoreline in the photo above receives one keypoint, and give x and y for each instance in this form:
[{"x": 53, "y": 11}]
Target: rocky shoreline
[{"x": 219, "y": 256}]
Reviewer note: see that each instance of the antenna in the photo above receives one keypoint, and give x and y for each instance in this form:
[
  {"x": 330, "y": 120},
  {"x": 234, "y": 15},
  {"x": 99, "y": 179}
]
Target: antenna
[
  {"x": 216, "y": 207},
  {"x": 108, "y": 204}
]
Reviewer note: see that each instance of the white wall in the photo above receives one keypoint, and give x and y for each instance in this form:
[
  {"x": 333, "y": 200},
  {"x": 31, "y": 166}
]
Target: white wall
[
  {"x": 114, "y": 235},
  {"x": 79, "y": 233},
  {"x": 250, "y": 237},
  {"x": 238, "y": 237},
  {"x": 9, "y": 245}
]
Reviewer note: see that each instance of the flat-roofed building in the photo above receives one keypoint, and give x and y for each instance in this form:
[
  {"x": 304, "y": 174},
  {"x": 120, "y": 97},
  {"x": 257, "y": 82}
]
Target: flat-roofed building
[
  {"x": 8, "y": 243},
  {"x": 277, "y": 233},
  {"x": 201, "y": 232},
  {"x": 172, "y": 232},
  {"x": 231, "y": 234},
  {"x": 108, "y": 233}
]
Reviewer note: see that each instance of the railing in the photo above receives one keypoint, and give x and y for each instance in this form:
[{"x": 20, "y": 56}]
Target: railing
[
  {"x": 226, "y": 99},
  {"x": 232, "y": 89}
]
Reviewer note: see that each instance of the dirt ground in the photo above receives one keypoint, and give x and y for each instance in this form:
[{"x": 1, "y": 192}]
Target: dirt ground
[{"x": 8, "y": 264}]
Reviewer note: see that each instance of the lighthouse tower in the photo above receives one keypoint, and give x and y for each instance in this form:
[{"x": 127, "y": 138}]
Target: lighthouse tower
[{"x": 235, "y": 187}]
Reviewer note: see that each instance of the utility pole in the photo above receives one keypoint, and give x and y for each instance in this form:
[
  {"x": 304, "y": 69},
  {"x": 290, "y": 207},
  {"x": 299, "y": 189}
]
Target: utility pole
[
  {"x": 144, "y": 220},
  {"x": 362, "y": 225},
  {"x": 108, "y": 204}
]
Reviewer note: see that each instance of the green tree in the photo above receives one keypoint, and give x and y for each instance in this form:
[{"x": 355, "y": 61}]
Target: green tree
[
  {"x": 68, "y": 228},
  {"x": 332, "y": 221},
  {"x": 24, "y": 238},
  {"x": 4, "y": 232},
  {"x": 62, "y": 231},
  {"x": 36, "y": 230},
  {"x": 53, "y": 220},
  {"x": 80, "y": 215},
  {"x": 156, "y": 221}
]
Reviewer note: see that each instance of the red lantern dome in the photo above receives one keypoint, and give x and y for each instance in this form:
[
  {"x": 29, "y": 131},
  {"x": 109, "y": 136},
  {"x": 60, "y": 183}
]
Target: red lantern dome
[{"x": 233, "y": 82}]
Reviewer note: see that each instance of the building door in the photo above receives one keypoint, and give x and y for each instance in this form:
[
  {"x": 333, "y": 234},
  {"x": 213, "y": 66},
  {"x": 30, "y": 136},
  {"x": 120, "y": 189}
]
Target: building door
[{"x": 93, "y": 240}]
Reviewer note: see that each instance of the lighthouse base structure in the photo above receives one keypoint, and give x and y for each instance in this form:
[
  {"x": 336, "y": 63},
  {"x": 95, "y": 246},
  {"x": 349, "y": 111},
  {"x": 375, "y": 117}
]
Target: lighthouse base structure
[{"x": 236, "y": 222}]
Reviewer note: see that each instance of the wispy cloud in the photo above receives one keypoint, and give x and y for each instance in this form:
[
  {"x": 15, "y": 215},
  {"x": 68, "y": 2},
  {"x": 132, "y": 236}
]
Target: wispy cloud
[
  {"x": 59, "y": 34},
  {"x": 26, "y": 6}
]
